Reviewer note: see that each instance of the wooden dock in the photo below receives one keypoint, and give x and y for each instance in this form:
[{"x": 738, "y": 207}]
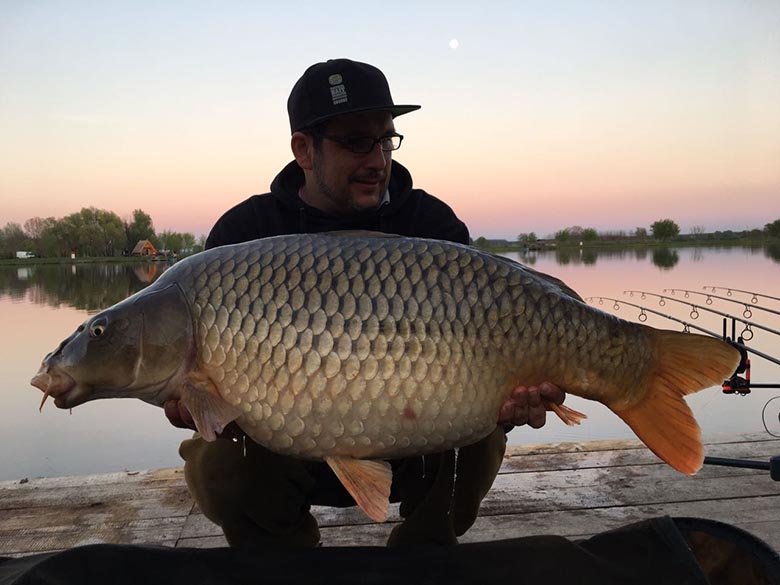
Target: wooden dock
[{"x": 570, "y": 489}]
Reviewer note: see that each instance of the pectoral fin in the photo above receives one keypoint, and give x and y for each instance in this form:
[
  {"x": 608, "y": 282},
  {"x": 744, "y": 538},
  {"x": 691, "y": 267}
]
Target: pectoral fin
[
  {"x": 209, "y": 410},
  {"x": 368, "y": 482}
]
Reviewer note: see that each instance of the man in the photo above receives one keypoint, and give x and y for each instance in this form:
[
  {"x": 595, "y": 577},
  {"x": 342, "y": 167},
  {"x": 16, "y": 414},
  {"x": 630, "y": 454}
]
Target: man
[{"x": 343, "y": 178}]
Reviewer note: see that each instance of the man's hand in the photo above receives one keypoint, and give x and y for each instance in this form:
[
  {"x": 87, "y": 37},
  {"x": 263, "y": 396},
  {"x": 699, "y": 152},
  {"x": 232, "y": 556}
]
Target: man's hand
[
  {"x": 529, "y": 405},
  {"x": 178, "y": 415}
]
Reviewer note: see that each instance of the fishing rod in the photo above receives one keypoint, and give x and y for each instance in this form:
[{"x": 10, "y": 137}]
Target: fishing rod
[
  {"x": 746, "y": 334},
  {"x": 643, "y": 314},
  {"x": 688, "y": 326},
  {"x": 735, "y": 384},
  {"x": 747, "y": 313},
  {"x": 728, "y": 290}
]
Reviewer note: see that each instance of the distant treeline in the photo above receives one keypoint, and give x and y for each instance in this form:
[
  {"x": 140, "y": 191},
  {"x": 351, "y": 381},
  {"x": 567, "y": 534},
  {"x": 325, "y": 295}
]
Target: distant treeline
[
  {"x": 663, "y": 230},
  {"x": 92, "y": 232}
]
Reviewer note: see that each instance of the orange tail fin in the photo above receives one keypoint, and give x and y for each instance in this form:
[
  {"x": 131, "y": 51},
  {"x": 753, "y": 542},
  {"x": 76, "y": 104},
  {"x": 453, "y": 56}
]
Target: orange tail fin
[{"x": 687, "y": 363}]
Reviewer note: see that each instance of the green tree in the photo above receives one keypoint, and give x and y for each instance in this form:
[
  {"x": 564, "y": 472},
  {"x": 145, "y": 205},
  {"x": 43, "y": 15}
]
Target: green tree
[
  {"x": 640, "y": 233},
  {"x": 563, "y": 236},
  {"x": 589, "y": 235},
  {"x": 39, "y": 230},
  {"x": 665, "y": 229},
  {"x": 200, "y": 244},
  {"x": 94, "y": 232},
  {"x": 528, "y": 239},
  {"x": 12, "y": 240},
  {"x": 187, "y": 242},
  {"x": 53, "y": 241},
  {"x": 773, "y": 229},
  {"x": 481, "y": 242},
  {"x": 172, "y": 242},
  {"x": 141, "y": 228}
]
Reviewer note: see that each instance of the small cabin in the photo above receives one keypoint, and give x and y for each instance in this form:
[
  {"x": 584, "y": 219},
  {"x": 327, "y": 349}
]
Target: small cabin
[{"x": 144, "y": 248}]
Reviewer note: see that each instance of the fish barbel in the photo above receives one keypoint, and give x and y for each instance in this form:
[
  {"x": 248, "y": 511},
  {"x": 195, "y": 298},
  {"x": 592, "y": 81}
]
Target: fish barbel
[{"x": 357, "y": 348}]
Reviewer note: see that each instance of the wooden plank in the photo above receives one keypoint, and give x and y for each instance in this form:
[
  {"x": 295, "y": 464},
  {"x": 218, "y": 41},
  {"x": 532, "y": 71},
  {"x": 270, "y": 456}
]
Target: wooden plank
[
  {"x": 585, "y": 522},
  {"x": 571, "y": 489},
  {"x": 620, "y": 444},
  {"x": 163, "y": 477},
  {"x": 572, "y": 459},
  {"x": 595, "y": 488},
  {"x": 162, "y": 531},
  {"x": 174, "y": 501}
]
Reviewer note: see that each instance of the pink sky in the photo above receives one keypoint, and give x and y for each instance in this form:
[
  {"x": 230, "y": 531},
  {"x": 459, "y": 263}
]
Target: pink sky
[{"x": 539, "y": 120}]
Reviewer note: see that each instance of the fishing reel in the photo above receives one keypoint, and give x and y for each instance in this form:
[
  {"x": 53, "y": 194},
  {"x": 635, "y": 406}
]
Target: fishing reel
[{"x": 737, "y": 384}]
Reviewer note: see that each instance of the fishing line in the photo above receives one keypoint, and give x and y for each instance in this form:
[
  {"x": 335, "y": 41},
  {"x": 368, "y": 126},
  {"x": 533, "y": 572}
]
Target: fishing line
[
  {"x": 747, "y": 333},
  {"x": 747, "y": 313},
  {"x": 729, "y": 290},
  {"x": 763, "y": 417}
]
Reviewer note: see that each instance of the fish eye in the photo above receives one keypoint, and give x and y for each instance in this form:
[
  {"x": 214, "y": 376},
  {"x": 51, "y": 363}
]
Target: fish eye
[{"x": 97, "y": 329}]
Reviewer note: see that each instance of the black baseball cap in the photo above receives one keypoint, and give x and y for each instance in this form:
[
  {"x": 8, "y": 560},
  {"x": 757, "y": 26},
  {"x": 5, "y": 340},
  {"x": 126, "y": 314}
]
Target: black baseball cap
[{"x": 336, "y": 87}]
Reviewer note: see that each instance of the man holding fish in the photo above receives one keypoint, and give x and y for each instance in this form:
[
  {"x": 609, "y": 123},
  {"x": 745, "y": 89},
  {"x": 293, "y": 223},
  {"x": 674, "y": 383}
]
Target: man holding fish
[
  {"x": 343, "y": 178},
  {"x": 284, "y": 335}
]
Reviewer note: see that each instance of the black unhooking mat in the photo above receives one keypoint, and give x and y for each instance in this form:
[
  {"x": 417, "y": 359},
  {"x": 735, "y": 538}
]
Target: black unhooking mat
[{"x": 652, "y": 551}]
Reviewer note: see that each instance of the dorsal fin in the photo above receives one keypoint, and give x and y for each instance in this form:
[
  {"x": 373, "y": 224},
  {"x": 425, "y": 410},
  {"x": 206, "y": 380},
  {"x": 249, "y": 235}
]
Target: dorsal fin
[{"x": 359, "y": 234}]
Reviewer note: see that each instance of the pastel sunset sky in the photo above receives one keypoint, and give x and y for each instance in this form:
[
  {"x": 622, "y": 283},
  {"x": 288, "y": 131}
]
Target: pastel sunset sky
[{"x": 544, "y": 114}]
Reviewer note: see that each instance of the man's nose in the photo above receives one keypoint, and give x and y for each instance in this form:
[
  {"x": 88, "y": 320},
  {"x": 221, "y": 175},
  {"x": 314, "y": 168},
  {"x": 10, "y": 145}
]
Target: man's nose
[{"x": 377, "y": 158}]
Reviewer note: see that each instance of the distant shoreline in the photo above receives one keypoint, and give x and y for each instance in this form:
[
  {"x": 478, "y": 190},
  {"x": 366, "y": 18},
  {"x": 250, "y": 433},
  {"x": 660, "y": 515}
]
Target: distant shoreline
[
  {"x": 84, "y": 260},
  {"x": 549, "y": 246}
]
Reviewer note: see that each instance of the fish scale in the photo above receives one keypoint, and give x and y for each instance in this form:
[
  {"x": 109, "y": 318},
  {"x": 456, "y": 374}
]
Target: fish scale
[{"x": 371, "y": 298}]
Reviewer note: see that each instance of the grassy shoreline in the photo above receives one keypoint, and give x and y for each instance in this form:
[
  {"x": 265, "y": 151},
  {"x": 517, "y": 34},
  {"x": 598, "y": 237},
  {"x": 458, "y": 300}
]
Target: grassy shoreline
[
  {"x": 629, "y": 245},
  {"x": 513, "y": 247},
  {"x": 85, "y": 260}
]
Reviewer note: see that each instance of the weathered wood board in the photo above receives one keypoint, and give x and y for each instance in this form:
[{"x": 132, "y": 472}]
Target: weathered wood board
[{"x": 571, "y": 489}]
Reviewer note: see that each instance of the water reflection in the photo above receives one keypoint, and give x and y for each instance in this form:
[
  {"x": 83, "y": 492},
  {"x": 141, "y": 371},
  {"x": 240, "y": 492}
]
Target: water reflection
[
  {"x": 111, "y": 435},
  {"x": 89, "y": 287},
  {"x": 664, "y": 257}
]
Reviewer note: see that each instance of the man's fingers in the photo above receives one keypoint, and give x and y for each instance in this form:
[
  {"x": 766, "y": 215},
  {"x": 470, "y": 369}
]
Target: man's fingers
[
  {"x": 534, "y": 397},
  {"x": 178, "y": 415},
  {"x": 185, "y": 416},
  {"x": 529, "y": 404},
  {"x": 551, "y": 393},
  {"x": 537, "y": 416}
]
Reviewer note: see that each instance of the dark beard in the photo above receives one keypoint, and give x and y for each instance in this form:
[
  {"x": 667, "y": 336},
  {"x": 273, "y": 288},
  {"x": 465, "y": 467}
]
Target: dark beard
[{"x": 341, "y": 201}]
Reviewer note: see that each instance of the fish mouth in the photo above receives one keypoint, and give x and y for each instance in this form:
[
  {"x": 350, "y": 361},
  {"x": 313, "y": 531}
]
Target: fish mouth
[{"x": 56, "y": 384}]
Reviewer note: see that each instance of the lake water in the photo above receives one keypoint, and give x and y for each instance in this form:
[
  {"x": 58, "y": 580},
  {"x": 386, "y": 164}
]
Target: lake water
[{"x": 41, "y": 305}]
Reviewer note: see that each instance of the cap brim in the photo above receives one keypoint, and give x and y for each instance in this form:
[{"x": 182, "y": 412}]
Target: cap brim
[{"x": 395, "y": 111}]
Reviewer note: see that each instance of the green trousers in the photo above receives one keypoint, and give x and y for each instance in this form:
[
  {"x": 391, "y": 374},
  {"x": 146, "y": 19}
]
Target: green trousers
[{"x": 261, "y": 499}]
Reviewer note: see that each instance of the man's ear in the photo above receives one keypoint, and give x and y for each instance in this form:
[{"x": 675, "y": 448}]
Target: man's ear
[{"x": 302, "y": 146}]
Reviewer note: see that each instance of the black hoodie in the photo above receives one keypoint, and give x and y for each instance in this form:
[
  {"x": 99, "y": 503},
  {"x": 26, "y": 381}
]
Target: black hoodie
[{"x": 410, "y": 212}]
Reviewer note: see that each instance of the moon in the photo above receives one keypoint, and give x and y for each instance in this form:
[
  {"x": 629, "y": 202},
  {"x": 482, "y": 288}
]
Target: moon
[{"x": 454, "y": 43}]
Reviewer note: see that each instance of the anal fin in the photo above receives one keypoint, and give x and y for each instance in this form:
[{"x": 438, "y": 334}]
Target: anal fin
[{"x": 367, "y": 481}]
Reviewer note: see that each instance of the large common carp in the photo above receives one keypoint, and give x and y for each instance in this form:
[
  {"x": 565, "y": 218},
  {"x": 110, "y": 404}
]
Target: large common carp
[{"x": 356, "y": 348}]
